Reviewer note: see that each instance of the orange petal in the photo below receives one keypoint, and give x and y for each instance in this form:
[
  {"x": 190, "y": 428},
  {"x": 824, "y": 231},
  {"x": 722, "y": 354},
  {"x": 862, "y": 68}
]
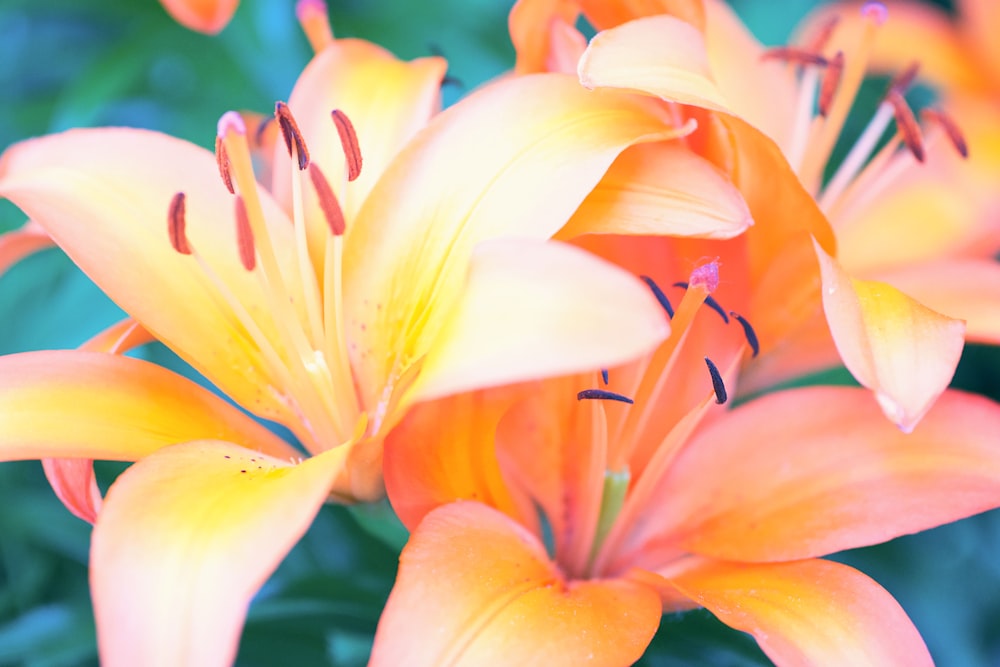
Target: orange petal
[
  {"x": 475, "y": 588},
  {"x": 968, "y": 289},
  {"x": 811, "y": 612},
  {"x": 660, "y": 55},
  {"x": 19, "y": 243},
  {"x": 387, "y": 101},
  {"x": 185, "y": 539},
  {"x": 532, "y": 25},
  {"x": 903, "y": 351},
  {"x": 978, "y": 20},
  {"x": 820, "y": 471},
  {"x": 443, "y": 451},
  {"x": 100, "y": 406},
  {"x": 662, "y": 188},
  {"x": 603, "y": 14},
  {"x": 540, "y": 309},
  {"x": 913, "y": 31},
  {"x": 208, "y": 16},
  {"x": 99, "y": 195},
  {"x": 75, "y": 485},
  {"x": 455, "y": 186}
]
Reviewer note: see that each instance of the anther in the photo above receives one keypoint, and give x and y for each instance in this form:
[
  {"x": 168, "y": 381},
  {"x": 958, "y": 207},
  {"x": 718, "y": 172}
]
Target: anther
[
  {"x": 823, "y": 34},
  {"x": 222, "y": 159},
  {"x": 717, "y": 384},
  {"x": 604, "y": 395},
  {"x": 327, "y": 201},
  {"x": 902, "y": 81},
  {"x": 831, "y": 81},
  {"x": 604, "y": 375},
  {"x": 748, "y": 331},
  {"x": 710, "y": 302},
  {"x": 176, "y": 224},
  {"x": 349, "y": 142},
  {"x": 244, "y": 236},
  {"x": 290, "y": 132},
  {"x": 660, "y": 296},
  {"x": 792, "y": 54},
  {"x": 950, "y": 128},
  {"x": 907, "y": 124}
]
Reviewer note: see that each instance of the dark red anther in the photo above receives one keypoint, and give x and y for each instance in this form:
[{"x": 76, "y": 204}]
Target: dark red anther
[
  {"x": 290, "y": 132},
  {"x": 831, "y": 81},
  {"x": 603, "y": 394},
  {"x": 902, "y": 81},
  {"x": 748, "y": 332},
  {"x": 907, "y": 124},
  {"x": 660, "y": 296},
  {"x": 222, "y": 159},
  {"x": 718, "y": 386},
  {"x": 327, "y": 201},
  {"x": 177, "y": 223},
  {"x": 823, "y": 34},
  {"x": 795, "y": 55},
  {"x": 244, "y": 236},
  {"x": 349, "y": 142},
  {"x": 950, "y": 128}
]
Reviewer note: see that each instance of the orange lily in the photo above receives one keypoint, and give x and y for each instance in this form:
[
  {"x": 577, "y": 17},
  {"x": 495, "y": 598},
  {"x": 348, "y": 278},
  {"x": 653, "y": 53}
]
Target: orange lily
[
  {"x": 882, "y": 335},
  {"x": 208, "y": 16},
  {"x": 551, "y": 528},
  {"x": 347, "y": 294}
]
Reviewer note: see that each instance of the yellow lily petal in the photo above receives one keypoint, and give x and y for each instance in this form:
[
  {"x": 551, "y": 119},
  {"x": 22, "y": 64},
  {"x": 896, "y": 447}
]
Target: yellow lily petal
[
  {"x": 57, "y": 404},
  {"x": 208, "y": 16},
  {"x": 185, "y": 539},
  {"x": 660, "y": 55},
  {"x": 387, "y": 101},
  {"x": 475, "y": 588},
  {"x": 662, "y": 188},
  {"x": 101, "y": 194},
  {"x": 810, "y": 612},
  {"x": 538, "y": 309},
  {"x": 903, "y": 351},
  {"x": 549, "y": 142},
  {"x": 968, "y": 289}
]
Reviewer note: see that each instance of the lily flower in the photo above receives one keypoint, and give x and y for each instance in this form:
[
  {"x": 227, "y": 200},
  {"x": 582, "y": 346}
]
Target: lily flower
[
  {"x": 398, "y": 256},
  {"x": 879, "y": 332},
  {"x": 560, "y": 519},
  {"x": 208, "y": 16}
]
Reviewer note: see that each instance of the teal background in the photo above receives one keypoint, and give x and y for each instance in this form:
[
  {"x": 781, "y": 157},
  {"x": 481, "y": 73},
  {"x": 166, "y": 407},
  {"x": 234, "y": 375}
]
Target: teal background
[{"x": 66, "y": 63}]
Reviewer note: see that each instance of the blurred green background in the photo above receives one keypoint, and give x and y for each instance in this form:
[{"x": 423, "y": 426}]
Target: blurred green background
[{"x": 72, "y": 63}]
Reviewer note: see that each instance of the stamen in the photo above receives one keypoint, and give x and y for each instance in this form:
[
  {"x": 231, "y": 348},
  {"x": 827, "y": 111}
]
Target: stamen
[
  {"x": 902, "y": 81},
  {"x": 831, "y": 81},
  {"x": 706, "y": 276},
  {"x": 660, "y": 296},
  {"x": 244, "y": 236},
  {"x": 176, "y": 224},
  {"x": 602, "y": 394},
  {"x": 291, "y": 134},
  {"x": 222, "y": 159},
  {"x": 823, "y": 34},
  {"x": 709, "y": 301},
  {"x": 349, "y": 142},
  {"x": 717, "y": 384},
  {"x": 748, "y": 331},
  {"x": 950, "y": 128},
  {"x": 327, "y": 200},
  {"x": 909, "y": 129},
  {"x": 604, "y": 376},
  {"x": 263, "y": 129},
  {"x": 315, "y": 22},
  {"x": 875, "y": 11},
  {"x": 792, "y": 54}
]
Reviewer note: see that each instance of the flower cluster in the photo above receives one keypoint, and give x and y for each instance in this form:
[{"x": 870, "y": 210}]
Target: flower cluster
[{"x": 525, "y": 320}]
